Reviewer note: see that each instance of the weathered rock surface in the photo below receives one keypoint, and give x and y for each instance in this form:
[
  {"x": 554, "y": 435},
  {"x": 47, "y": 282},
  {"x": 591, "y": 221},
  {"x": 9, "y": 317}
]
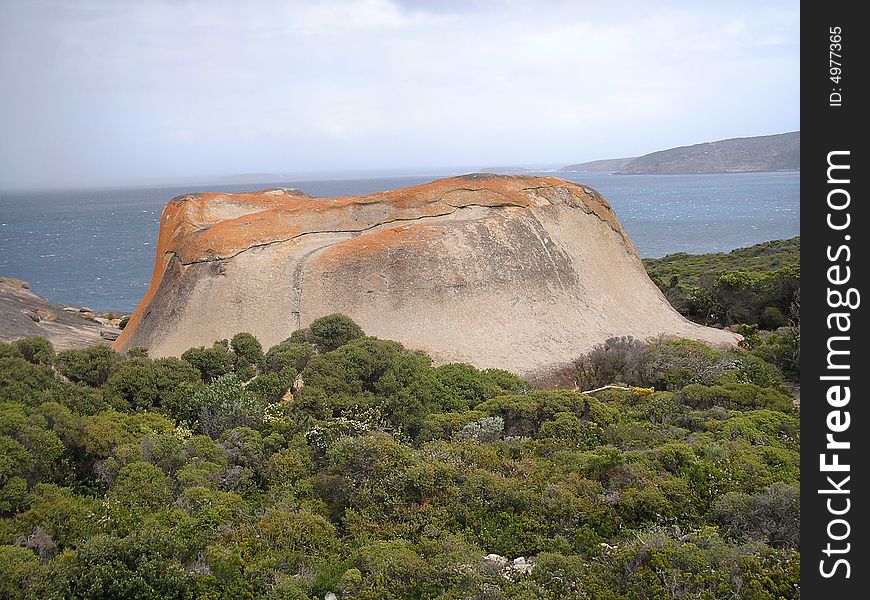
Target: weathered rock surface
[
  {"x": 522, "y": 273},
  {"x": 25, "y": 314}
]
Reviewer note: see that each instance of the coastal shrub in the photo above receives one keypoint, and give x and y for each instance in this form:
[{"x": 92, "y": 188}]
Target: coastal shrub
[
  {"x": 288, "y": 354},
  {"x": 37, "y": 350},
  {"x": 772, "y": 318},
  {"x": 139, "y": 565},
  {"x": 756, "y": 285},
  {"x": 212, "y": 362},
  {"x": 297, "y": 532},
  {"x": 19, "y": 568},
  {"x": 300, "y": 336},
  {"x": 749, "y": 368},
  {"x": 465, "y": 386},
  {"x": 771, "y": 516},
  {"x": 443, "y": 425},
  {"x": 571, "y": 430},
  {"x": 619, "y": 360},
  {"x": 487, "y": 429},
  {"x": 738, "y": 396},
  {"x": 79, "y": 398},
  {"x": 331, "y": 331},
  {"x": 386, "y": 477},
  {"x": 141, "y": 486},
  {"x": 243, "y": 369},
  {"x": 225, "y": 404},
  {"x": 9, "y": 351},
  {"x": 370, "y": 373},
  {"x": 145, "y": 384},
  {"x": 102, "y": 434},
  {"x": 524, "y": 414},
  {"x": 676, "y": 363},
  {"x": 271, "y": 387},
  {"x": 783, "y": 349},
  {"x": 393, "y": 564},
  {"x": 248, "y": 355},
  {"x": 137, "y": 352},
  {"x": 751, "y": 337},
  {"x": 504, "y": 382},
  {"x": 23, "y": 382},
  {"x": 88, "y": 365}
]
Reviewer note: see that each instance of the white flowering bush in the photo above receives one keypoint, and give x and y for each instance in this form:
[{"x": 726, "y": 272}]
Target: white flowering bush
[{"x": 487, "y": 429}]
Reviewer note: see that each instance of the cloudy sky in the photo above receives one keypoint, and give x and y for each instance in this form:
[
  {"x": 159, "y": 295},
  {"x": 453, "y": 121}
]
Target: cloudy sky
[{"x": 104, "y": 92}]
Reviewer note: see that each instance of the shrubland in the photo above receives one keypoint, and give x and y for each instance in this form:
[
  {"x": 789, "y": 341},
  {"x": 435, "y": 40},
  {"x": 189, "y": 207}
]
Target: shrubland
[
  {"x": 754, "y": 290},
  {"x": 339, "y": 463},
  {"x": 756, "y": 285}
]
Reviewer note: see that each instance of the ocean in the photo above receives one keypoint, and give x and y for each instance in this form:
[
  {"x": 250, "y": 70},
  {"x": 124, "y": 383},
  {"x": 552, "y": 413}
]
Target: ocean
[{"x": 96, "y": 248}]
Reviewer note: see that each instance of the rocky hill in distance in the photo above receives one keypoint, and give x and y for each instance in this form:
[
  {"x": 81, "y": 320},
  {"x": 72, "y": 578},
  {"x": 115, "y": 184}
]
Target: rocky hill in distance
[
  {"x": 780, "y": 152},
  {"x": 607, "y": 165},
  {"x": 521, "y": 273}
]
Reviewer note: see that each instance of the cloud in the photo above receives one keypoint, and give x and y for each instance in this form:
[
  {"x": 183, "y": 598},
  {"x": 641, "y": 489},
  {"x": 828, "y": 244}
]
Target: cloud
[
  {"x": 734, "y": 27},
  {"x": 102, "y": 91}
]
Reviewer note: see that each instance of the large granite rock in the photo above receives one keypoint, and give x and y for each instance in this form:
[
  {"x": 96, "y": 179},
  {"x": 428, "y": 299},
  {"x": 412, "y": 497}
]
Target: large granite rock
[{"x": 521, "y": 273}]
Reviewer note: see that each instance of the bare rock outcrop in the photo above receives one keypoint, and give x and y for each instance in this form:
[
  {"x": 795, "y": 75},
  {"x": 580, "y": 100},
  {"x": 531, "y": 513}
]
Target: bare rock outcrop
[
  {"x": 25, "y": 314},
  {"x": 521, "y": 273}
]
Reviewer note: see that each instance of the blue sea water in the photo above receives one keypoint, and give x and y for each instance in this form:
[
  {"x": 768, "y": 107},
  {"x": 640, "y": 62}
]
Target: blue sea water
[{"x": 96, "y": 248}]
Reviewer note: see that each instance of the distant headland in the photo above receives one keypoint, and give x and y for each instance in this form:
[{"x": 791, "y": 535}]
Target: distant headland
[{"x": 780, "y": 152}]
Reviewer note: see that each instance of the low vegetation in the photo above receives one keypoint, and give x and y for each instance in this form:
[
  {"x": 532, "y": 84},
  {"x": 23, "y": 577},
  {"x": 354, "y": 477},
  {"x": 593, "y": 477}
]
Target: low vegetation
[
  {"x": 335, "y": 463},
  {"x": 757, "y": 285}
]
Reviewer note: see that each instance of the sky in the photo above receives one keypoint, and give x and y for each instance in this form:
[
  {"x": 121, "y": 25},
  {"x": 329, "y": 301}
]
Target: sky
[{"x": 110, "y": 92}]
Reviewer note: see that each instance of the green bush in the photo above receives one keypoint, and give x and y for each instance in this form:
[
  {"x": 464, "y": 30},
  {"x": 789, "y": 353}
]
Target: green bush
[
  {"x": 37, "y": 350},
  {"x": 771, "y": 516},
  {"x": 271, "y": 387},
  {"x": 465, "y": 385},
  {"x": 145, "y": 384},
  {"x": 137, "y": 352},
  {"x": 749, "y": 368},
  {"x": 443, "y": 425},
  {"x": 738, "y": 396},
  {"x": 783, "y": 349},
  {"x": 288, "y": 355},
  {"x": 24, "y": 382},
  {"x": 392, "y": 565},
  {"x": 524, "y": 414},
  {"x": 225, "y": 404},
  {"x": 676, "y": 363},
  {"x": 142, "y": 486},
  {"x": 19, "y": 568},
  {"x": 368, "y": 373},
  {"x": 329, "y": 332},
  {"x": 9, "y": 351},
  {"x": 136, "y": 566},
  {"x": 89, "y": 365},
  {"x": 248, "y": 353},
  {"x": 772, "y": 318},
  {"x": 211, "y": 362}
]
